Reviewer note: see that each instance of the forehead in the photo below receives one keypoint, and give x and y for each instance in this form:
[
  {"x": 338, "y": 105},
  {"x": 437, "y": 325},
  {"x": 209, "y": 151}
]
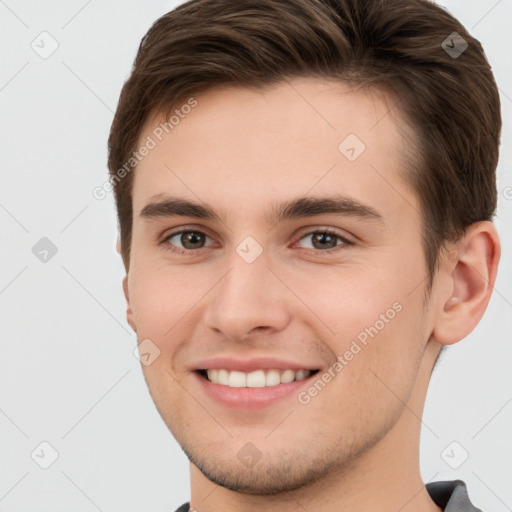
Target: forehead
[{"x": 300, "y": 137}]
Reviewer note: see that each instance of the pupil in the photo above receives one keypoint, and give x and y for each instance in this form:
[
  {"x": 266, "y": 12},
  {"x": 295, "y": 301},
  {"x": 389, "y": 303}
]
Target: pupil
[
  {"x": 191, "y": 239},
  {"x": 324, "y": 237}
]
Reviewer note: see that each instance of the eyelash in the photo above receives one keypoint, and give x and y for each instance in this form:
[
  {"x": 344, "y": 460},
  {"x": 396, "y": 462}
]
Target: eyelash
[{"x": 168, "y": 246}]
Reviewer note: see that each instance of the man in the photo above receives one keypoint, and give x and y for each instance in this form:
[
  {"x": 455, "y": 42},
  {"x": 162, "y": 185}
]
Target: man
[{"x": 305, "y": 194}]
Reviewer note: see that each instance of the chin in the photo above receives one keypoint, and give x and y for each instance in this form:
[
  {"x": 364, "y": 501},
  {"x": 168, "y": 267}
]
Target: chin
[{"x": 261, "y": 480}]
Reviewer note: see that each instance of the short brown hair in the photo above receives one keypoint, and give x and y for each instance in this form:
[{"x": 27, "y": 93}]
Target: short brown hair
[{"x": 451, "y": 101}]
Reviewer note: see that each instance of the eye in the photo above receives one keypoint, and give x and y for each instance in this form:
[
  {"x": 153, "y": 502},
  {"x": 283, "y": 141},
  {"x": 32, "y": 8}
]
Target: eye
[
  {"x": 191, "y": 240},
  {"x": 325, "y": 240},
  {"x": 185, "y": 241}
]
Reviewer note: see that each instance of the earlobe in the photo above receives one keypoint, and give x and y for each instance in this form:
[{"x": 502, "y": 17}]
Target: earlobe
[
  {"x": 471, "y": 277},
  {"x": 129, "y": 312}
]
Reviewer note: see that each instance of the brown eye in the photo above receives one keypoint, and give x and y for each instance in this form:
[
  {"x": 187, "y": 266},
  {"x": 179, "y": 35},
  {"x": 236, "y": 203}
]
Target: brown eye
[
  {"x": 324, "y": 240},
  {"x": 192, "y": 239},
  {"x": 183, "y": 241}
]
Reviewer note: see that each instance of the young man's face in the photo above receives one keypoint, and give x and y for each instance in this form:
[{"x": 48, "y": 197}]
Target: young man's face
[{"x": 254, "y": 291}]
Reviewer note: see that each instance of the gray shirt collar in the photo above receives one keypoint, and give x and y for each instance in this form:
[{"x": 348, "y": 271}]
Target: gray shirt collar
[{"x": 451, "y": 496}]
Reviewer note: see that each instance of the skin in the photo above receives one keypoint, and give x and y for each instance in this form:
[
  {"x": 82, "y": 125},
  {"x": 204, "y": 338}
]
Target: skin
[{"x": 354, "y": 446}]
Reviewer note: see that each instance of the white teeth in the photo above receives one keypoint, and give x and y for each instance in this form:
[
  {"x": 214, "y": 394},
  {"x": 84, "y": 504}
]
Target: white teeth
[
  {"x": 287, "y": 376},
  {"x": 301, "y": 374},
  {"x": 237, "y": 379},
  {"x": 222, "y": 377},
  {"x": 273, "y": 378},
  {"x": 255, "y": 379},
  {"x": 213, "y": 375}
]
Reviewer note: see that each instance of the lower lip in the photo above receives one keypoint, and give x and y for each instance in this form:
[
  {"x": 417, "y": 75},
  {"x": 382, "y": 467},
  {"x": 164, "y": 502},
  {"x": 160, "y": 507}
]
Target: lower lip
[{"x": 251, "y": 398}]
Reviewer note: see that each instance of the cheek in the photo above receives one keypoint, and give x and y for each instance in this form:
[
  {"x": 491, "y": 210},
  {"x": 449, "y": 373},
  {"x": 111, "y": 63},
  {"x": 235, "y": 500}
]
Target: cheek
[
  {"x": 378, "y": 365},
  {"x": 347, "y": 299},
  {"x": 372, "y": 322},
  {"x": 383, "y": 373},
  {"x": 161, "y": 298}
]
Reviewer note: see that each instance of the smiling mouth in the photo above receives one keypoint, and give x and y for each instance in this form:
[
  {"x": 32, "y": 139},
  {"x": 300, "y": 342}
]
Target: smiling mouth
[{"x": 254, "y": 379}]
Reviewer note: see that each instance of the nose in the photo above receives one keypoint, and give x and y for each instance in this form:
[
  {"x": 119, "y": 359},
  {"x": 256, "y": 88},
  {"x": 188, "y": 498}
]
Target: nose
[{"x": 249, "y": 299}]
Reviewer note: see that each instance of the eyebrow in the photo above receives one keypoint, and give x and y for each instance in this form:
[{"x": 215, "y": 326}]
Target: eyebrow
[{"x": 297, "y": 208}]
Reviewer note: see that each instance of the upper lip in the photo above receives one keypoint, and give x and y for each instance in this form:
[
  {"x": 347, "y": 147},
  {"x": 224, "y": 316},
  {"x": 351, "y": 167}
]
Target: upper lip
[{"x": 251, "y": 364}]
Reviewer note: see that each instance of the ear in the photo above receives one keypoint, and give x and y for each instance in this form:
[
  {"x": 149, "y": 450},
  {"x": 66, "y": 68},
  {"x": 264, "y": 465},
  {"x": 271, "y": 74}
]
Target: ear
[
  {"x": 468, "y": 278},
  {"x": 129, "y": 312}
]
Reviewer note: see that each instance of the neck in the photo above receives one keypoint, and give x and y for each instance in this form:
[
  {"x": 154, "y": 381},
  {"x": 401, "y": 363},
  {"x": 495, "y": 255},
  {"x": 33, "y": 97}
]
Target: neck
[{"x": 386, "y": 478}]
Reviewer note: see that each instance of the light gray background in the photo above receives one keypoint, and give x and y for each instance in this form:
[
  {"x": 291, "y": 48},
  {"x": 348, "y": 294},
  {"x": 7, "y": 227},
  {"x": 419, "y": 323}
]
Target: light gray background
[{"x": 68, "y": 374}]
